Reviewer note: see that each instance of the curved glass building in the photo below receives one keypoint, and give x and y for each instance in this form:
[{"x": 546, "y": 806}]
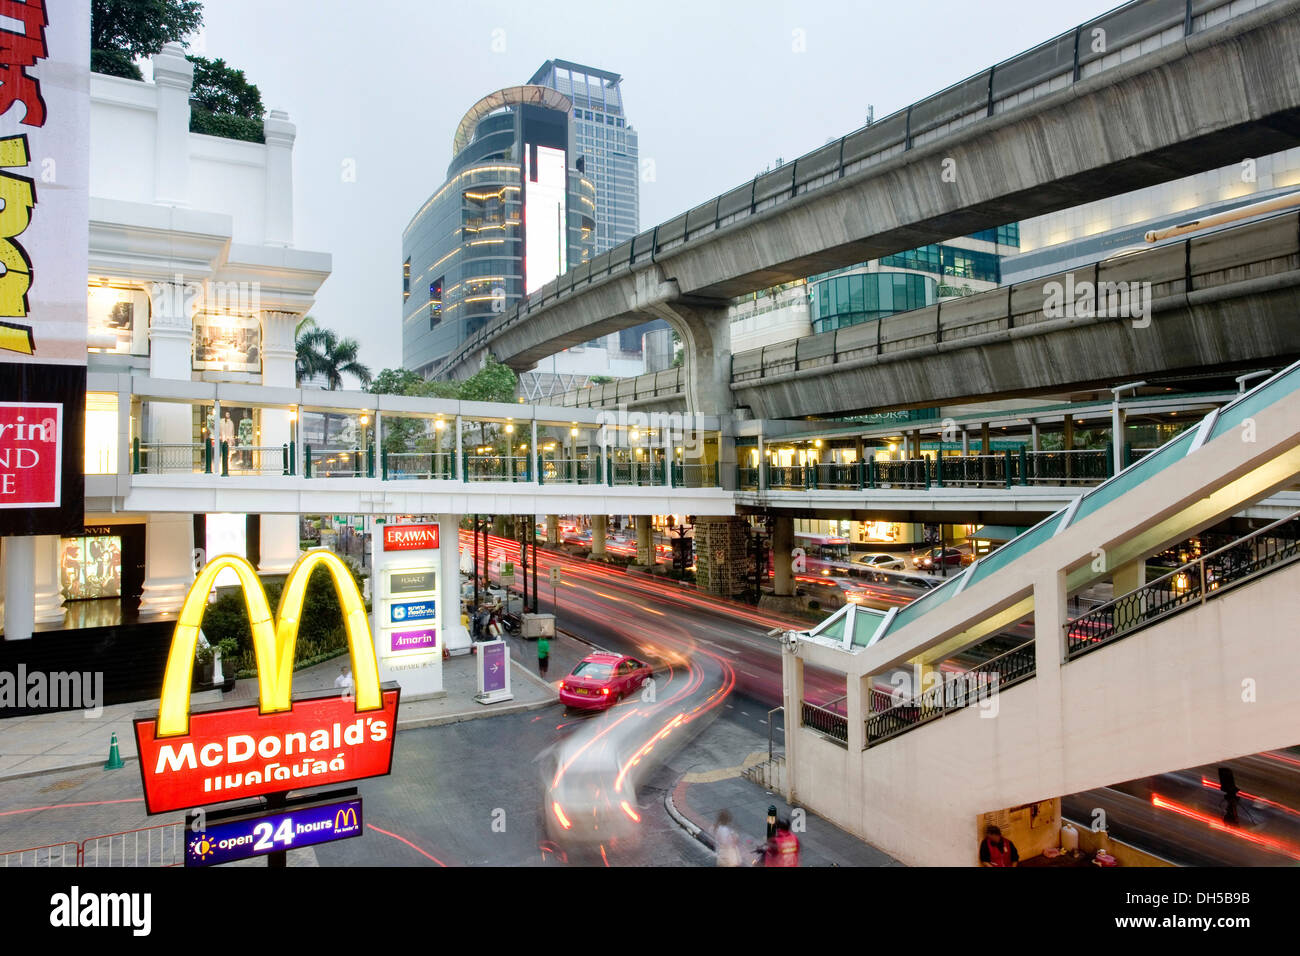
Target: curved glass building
[{"x": 514, "y": 213}]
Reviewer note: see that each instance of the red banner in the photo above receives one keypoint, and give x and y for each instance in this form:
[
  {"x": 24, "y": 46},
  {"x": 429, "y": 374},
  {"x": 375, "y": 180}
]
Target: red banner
[
  {"x": 30, "y": 454},
  {"x": 410, "y": 537},
  {"x": 239, "y": 753}
]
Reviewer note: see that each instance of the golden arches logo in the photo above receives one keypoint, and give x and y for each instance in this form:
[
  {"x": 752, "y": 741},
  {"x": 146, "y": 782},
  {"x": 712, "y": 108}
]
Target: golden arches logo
[
  {"x": 273, "y": 638},
  {"x": 345, "y": 819}
]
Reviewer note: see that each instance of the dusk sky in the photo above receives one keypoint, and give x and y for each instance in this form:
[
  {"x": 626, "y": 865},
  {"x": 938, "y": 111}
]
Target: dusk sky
[{"x": 716, "y": 92}]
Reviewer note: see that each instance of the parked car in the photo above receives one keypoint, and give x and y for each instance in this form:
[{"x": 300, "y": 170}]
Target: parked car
[{"x": 601, "y": 680}]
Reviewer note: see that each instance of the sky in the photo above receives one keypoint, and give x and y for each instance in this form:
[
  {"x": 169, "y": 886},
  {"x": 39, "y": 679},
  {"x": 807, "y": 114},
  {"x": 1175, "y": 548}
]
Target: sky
[{"x": 716, "y": 91}]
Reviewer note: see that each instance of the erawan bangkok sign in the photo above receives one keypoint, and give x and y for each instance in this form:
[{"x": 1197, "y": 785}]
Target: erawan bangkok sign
[
  {"x": 279, "y": 744},
  {"x": 410, "y": 537}
]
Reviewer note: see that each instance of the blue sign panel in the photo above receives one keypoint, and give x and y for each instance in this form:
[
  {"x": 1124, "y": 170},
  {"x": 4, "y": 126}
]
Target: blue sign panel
[
  {"x": 289, "y": 830},
  {"x": 406, "y": 611}
]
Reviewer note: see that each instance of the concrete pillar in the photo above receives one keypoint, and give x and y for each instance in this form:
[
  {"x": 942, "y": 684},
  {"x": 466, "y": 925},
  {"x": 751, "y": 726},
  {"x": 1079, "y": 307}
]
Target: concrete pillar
[
  {"x": 552, "y": 530},
  {"x": 168, "y": 563},
  {"x": 598, "y": 525},
  {"x": 20, "y": 587},
  {"x": 49, "y": 595},
  {"x": 986, "y": 443},
  {"x": 1035, "y": 438},
  {"x": 1050, "y": 610},
  {"x": 279, "y": 534},
  {"x": 916, "y": 444},
  {"x": 173, "y": 76},
  {"x": 645, "y": 551},
  {"x": 965, "y": 443},
  {"x": 782, "y": 545},
  {"x": 1130, "y": 577},
  {"x": 170, "y": 333},
  {"x": 451, "y": 632},
  {"x": 1067, "y": 439},
  {"x": 855, "y": 695},
  {"x": 279, "y": 133},
  {"x": 762, "y": 463},
  {"x": 792, "y": 702},
  {"x": 721, "y": 553}
]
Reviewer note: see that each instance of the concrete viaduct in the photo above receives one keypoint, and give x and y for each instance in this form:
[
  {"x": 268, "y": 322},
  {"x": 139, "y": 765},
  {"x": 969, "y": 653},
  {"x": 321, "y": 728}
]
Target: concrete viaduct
[{"x": 1176, "y": 87}]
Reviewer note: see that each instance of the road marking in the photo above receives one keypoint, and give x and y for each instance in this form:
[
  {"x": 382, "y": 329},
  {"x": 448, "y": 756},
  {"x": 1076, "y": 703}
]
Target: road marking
[{"x": 725, "y": 650}]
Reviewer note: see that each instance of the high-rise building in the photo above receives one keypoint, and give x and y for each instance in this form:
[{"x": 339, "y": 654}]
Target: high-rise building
[
  {"x": 607, "y": 143},
  {"x": 514, "y": 212},
  {"x": 605, "y": 140}
]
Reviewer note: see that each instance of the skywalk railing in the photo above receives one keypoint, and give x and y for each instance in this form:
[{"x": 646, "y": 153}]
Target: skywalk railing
[
  {"x": 400, "y": 465},
  {"x": 163, "y": 458},
  {"x": 1191, "y": 585},
  {"x": 826, "y": 722},
  {"x": 1004, "y": 469}
]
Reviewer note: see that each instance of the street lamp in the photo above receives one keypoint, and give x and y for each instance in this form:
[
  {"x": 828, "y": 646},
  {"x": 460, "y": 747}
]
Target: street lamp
[
  {"x": 1117, "y": 424},
  {"x": 1243, "y": 379}
]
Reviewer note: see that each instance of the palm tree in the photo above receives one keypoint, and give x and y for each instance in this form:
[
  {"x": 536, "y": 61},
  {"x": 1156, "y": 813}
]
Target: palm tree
[
  {"x": 307, "y": 362},
  {"x": 322, "y": 352},
  {"x": 333, "y": 357}
]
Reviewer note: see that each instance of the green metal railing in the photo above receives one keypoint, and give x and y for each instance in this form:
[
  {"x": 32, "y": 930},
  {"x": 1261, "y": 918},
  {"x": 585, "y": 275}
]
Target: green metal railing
[{"x": 402, "y": 465}]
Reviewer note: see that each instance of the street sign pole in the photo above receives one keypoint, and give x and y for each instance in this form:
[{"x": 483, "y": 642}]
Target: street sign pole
[{"x": 555, "y": 581}]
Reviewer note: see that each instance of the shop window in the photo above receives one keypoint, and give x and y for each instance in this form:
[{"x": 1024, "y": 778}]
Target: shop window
[
  {"x": 118, "y": 319},
  {"x": 90, "y": 567}
]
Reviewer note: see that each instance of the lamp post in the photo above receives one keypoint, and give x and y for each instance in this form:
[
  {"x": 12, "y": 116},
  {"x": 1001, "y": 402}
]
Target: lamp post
[{"x": 1117, "y": 422}]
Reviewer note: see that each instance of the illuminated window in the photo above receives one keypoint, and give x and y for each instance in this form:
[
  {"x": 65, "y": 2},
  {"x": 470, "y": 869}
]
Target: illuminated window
[{"x": 101, "y": 433}]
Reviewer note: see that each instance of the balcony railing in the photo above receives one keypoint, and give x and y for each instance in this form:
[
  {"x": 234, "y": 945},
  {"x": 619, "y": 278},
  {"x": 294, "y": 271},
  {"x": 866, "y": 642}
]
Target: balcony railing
[
  {"x": 826, "y": 722},
  {"x": 1209, "y": 576},
  {"x": 336, "y": 462},
  {"x": 164, "y": 458},
  {"x": 257, "y": 459}
]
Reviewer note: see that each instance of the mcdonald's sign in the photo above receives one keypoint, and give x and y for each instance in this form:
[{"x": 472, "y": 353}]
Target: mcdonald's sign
[{"x": 281, "y": 743}]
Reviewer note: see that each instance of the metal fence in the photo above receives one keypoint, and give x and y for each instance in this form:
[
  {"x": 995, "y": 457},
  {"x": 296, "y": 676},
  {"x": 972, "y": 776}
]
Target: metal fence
[
  {"x": 56, "y": 854},
  {"x": 638, "y": 473},
  {"x": 161, "y": 845},
  {"x": 496, "y": 468},
  {"x": 256, "y": 460},
  {"x": 334, "y": 462},
  {"x": 1209, "y": 576}
]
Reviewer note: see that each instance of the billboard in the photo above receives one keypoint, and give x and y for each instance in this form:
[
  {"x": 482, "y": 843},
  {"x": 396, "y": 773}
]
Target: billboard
[
  {"x": 546, "y": 184},
  {"x": 44, "y": 239}
]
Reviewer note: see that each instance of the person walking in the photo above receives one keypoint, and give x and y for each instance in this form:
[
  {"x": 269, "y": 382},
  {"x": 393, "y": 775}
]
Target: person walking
[
  {"x": 543, "y": 654},
  {"x": 727, "y": 841}
]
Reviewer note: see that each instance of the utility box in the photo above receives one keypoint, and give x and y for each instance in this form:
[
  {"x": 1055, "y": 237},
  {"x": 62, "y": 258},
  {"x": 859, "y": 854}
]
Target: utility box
[{"x": 539, "y": 625}]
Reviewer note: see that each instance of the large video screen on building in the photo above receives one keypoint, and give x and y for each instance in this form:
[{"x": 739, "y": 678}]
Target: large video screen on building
[{"x": 545, "y": 217}]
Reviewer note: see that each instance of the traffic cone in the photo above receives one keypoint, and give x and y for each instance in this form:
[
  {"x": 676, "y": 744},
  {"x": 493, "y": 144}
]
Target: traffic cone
[{"x": 114, "y": 756}]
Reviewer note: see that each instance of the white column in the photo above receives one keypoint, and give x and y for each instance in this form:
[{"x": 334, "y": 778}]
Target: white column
[
  {"x": 173, "y": 76},
  {"x": 451, "y": 632},
  {"x": 792, "y": 701},
  {"x": 279, "y": 134},
  {"x": 171, "y": 331},
  {"x": 279, "y": 533},
  {"x": 857, "y": 715},
  {"x": 49, "y": 596},
  {"x": 168, "y": 563},
  {"x": 1050, "y": 611},
  {"x": 20, "y": 587}
]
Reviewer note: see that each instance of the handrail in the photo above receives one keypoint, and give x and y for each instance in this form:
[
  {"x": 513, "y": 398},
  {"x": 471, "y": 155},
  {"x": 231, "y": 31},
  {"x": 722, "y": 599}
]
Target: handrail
[{"x": 1202, "y": 583}]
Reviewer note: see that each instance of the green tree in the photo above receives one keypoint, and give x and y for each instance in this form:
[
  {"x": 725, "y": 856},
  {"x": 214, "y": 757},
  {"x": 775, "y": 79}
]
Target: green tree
[
  {"x": 494, "y": 382},
  {"x": 224, "y": 103},
  {"x": 123, "y": 31},
  {"x": 327, "y": 354}
]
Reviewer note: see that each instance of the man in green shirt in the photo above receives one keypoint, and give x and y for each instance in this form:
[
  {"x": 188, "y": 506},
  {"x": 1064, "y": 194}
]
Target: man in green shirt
[{"x": 543, "y": 654}]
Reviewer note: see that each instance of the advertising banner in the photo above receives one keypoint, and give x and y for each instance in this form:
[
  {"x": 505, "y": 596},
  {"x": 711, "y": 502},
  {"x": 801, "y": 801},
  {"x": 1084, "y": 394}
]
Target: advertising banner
[
  {"x": 44, "y": 239},
  {"x": 401, "y": 612},
  {"x": 250, "y": 835}
]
